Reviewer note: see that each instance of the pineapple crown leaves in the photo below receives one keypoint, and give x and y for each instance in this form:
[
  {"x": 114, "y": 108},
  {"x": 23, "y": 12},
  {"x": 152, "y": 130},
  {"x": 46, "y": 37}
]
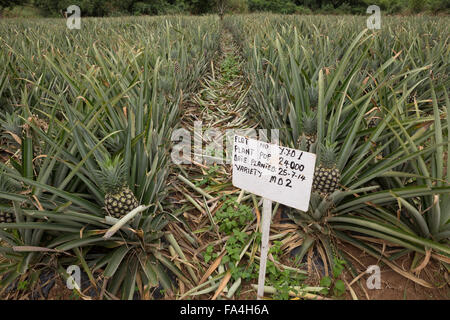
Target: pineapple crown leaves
[
  {"x": 307, "y": 140},
  {"x": 5, "y": 184},
  {"x": 302, "y": 143},
  {"x": 328, "y": 154},
  {"x": 10, "y": 124},
  {"x": 309, "y": 125},
  {"x": 313, "y": 97},
  {"x": 174, "y": 55},
  {"x": 111, "y": 176},
  {"x": 113, "y": 144}
]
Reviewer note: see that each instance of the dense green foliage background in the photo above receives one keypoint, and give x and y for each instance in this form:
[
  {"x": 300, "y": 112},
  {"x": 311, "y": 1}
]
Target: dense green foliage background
[{"x": 157, "y": 7}]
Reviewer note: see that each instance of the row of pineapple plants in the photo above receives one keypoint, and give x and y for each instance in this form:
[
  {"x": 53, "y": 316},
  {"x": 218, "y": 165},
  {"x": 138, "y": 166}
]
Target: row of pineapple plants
[
  {"x": 373, "y": 106},
  {"x": 86, "y": 121}
]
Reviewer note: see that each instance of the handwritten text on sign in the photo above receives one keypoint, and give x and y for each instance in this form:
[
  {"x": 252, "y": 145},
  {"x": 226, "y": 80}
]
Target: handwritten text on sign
[{"x": 274, "y": 172}]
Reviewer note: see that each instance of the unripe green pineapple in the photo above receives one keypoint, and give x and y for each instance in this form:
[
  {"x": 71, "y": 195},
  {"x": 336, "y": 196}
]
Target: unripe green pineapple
[
  {"x": 119, "y": 202},
  {"x": 176, "y": 67},
  {"x": 327, "y": 175},
  {"x": 119, "y": 199}
]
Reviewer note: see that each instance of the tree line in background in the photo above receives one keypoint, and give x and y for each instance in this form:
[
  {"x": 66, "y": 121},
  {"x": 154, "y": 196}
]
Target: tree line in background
[{"x": 158, "y": 7}]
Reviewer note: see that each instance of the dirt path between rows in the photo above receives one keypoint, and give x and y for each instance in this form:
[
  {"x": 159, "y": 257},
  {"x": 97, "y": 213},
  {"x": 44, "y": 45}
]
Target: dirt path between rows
[{"x": 219, "y": 104}]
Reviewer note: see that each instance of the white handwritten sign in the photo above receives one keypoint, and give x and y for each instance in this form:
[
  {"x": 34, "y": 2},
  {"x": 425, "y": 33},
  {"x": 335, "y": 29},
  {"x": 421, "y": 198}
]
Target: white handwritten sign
[{"x": 274, "y": 172}]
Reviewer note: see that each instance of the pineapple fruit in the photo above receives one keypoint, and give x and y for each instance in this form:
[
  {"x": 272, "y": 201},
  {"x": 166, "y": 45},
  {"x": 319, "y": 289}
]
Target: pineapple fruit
[
  {"x": 119, "y": 199},
  {"x": 7, "y": 217},
  {"x": 326, "y": 175},
  {"x": 176, "y": 67}
]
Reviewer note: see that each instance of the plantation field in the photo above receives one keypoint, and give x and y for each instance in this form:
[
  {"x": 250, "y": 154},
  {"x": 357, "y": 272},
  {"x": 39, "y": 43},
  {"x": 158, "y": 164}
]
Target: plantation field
[{"x": 90, "y": 121}]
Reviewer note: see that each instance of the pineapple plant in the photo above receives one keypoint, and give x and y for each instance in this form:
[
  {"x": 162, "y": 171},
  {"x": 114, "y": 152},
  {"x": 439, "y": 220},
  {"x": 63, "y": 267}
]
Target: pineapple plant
[
  {"x": 119, "y": 199},
  {"x": 326, "y": 175}
]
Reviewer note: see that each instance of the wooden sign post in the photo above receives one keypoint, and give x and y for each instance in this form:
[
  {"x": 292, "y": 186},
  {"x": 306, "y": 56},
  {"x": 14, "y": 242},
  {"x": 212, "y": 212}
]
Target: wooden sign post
[
  {"x": 265, "y": 229},
  {"x": 275, "y": 173}
]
